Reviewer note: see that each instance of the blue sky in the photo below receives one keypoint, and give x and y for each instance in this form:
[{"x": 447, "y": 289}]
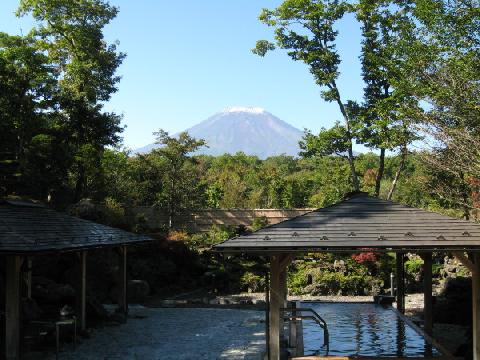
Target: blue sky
[{"x": 188, "y": 59}]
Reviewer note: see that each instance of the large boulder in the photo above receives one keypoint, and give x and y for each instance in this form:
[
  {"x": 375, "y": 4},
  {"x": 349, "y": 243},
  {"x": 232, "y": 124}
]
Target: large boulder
[
  {"x": 453, "y": 268},
  {"x": 457, "y": 289},
  {"x": 138, "y": 291},
  {"x": 454, "y": 304},
  {"x": 85, "y": 209}
]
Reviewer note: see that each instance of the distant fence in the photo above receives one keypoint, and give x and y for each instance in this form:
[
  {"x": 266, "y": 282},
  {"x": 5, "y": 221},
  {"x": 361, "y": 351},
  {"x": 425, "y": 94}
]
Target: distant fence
[{"x": 202, "y": 220}]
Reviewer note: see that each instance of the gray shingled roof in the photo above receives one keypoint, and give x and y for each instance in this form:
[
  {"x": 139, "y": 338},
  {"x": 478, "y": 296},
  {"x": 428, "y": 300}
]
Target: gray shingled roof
[
  {"x": 29, "y": 228},
  {"x": 360, "y": 221}
]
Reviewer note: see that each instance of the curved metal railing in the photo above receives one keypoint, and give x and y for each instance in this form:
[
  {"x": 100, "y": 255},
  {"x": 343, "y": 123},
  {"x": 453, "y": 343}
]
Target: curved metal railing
[{"x": 296, "y": 313}]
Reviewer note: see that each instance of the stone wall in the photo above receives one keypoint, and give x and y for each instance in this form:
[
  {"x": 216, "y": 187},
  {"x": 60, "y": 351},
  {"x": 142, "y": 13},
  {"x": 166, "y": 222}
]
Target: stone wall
[{"x": 202, "y": 220}]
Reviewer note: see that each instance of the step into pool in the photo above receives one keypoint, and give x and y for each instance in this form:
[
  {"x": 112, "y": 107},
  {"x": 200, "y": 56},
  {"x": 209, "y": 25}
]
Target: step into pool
[{"x": 363, "y": 329}]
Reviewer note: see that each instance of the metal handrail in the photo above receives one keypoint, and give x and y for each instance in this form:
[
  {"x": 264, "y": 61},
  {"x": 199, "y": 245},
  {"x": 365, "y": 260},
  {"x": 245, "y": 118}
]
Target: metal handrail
[{"x": 315, "y": 317}]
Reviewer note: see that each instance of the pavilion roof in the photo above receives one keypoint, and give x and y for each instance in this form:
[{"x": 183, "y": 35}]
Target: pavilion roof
[
  {"x": 27, "y": 228},
  {"x": 359, "y": 222}
]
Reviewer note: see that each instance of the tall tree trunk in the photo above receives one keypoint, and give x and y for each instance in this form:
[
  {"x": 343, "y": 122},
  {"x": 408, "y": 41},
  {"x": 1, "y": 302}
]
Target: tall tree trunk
[
  {"x": 351, "y": 159},
  {"x": 381, "y": 170},
  {"x": 171, "y": 205},
  {"x": 356, "y": 184},
  {"x": 399, "y": 171},
  {"x": 80, "y": 183}
]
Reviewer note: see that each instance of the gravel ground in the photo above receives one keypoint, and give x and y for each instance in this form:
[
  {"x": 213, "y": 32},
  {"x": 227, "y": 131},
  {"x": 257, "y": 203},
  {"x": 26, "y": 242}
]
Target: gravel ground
[{"x": 171, "y": 333}]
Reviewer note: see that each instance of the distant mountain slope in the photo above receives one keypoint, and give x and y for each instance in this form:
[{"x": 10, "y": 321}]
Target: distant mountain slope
[{"x": 249, "y": 129}]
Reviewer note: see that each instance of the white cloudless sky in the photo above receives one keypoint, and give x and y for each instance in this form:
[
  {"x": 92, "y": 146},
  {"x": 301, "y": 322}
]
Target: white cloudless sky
[{"x": 188, "y": 59}]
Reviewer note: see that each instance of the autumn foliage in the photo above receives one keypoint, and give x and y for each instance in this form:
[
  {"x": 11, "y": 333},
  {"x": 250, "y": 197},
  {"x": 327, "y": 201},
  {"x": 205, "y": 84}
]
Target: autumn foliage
[{"x": 365, "y": 257}]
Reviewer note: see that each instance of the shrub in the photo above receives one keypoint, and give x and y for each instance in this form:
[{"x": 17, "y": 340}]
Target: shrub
[
  {"x": 113, "y": 213},
  {"x": 140, "y": 224},
  {"x": 215, "y": 235},
  {"x": 413, "y": 266},
  {"x": 259, "y": 222},
  {"x": 365, "y": 257},
  {"x": 177, "y": 236},
  {"x": 298, "y": 281},
  {"x": 253, "y": 282},
  {"x": 332, "y": 283}
]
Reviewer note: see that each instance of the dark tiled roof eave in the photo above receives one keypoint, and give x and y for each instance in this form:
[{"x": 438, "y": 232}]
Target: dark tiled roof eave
[
  {"x": 34, "y": 229},
  {"x": 360, "y": 222}
]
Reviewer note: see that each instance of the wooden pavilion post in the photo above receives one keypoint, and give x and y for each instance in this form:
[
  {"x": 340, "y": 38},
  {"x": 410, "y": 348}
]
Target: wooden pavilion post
[
  {"x": 474, "y": 268},
  {"x": 267, "y": 314},
  {"x": 83, "y": 290},
  {"x": 476, "y": 306},
  {"x": 123, "y": 299},
  {"x": 12, "y": 307},
  {"x": 27, "y": 278},
  {"x": 278, "y": 285},
  {"x": 400, "y": 273},
  {"x": 427, "y": 293}
]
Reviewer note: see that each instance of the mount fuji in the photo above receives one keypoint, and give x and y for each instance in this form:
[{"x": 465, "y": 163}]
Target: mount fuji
[{"x": 251, "y": 130}]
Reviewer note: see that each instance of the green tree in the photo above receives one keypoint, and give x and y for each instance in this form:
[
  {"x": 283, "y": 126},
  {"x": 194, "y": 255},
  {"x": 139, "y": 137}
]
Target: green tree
[
  {"x": 180, "y": 177},
  {"x": 383, "y": 117},
  {"x": 29, "y": 146},
  {"x": 236, "y": 180},
  {"x": 306, "y": 29},
  {"x": 442, "y": 69},
  {"x": 71, "y": 33}
]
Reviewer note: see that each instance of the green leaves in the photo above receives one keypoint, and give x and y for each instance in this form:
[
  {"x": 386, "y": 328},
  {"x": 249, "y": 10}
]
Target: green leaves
[
  {"x": 71, "y": 32},
  {"x": 333, "y": 141},
  {"x": 262, "y": 47},
  {"x": 178, "y": 187},
  {"x": 53, "y": 85},
  {"x": 306, "y": 29}
]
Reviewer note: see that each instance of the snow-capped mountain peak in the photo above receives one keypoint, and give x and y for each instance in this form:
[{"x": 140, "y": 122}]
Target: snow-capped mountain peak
[
  {"x": 251, "y": 130},
  {"x": 245, "y": 109}
]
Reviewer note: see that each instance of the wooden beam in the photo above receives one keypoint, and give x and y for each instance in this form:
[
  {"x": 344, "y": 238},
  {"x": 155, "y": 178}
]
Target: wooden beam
[
  {"x": 464, "y": 260},
  {"x": 476, "y": 307},
  {"x": 278, "y": 265},
  {"x": 123, "y": 298},
  {"x": 83, "y": 291},
  {"x": 267, "y": 314},
  {"x": 276, "y": 301},
  {"x": 427, "y": 293},
  {"x": 400, "y": 274},
  {"x": 28, "y": 278},
  {"x": 284, "y": 304},
  {"x": 12, "y": 307}
]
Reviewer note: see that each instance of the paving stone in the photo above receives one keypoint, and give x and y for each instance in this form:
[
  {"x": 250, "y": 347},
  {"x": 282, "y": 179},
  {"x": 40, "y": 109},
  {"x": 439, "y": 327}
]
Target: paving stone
[{"x": 176, "y": 333}]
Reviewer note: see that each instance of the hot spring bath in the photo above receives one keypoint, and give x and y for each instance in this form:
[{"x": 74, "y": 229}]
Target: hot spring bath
[{"x": 363, "y": 329}]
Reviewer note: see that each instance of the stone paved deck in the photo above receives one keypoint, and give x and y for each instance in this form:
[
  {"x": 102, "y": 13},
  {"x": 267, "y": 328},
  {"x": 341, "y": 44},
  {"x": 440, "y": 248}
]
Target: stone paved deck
[{"x": 180, "y": 334}]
